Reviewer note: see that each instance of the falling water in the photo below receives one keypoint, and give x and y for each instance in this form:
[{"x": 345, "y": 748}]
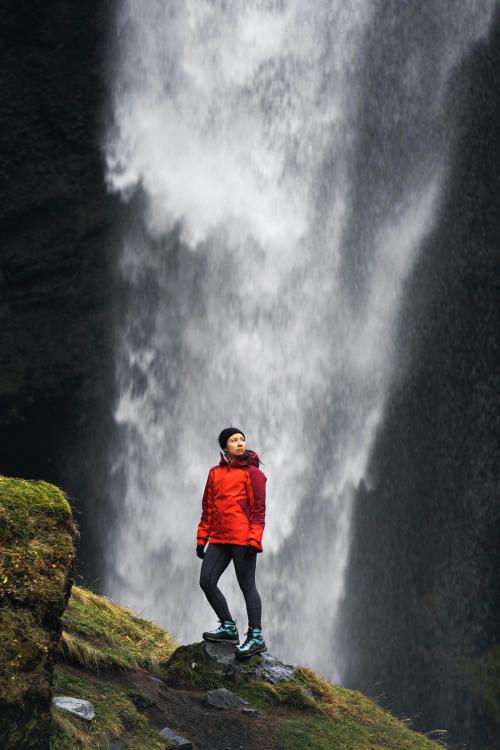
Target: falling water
[{"x": 282, "y": 162}]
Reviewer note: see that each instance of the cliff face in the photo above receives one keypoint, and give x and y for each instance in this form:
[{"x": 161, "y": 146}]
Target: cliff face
[
  {"x": 37, "y": 553},
  {"x": 423, "y": 582},
  {"x": 55, "y": 368}
]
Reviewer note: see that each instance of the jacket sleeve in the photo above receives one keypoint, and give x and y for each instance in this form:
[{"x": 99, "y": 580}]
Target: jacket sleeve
[
  {"x": 258, "y": 508},
  {"x": 203, "y": 533}
]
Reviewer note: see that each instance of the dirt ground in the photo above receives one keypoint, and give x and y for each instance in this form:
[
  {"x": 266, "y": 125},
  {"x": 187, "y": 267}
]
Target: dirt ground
[{"x": 188, "y": 714}]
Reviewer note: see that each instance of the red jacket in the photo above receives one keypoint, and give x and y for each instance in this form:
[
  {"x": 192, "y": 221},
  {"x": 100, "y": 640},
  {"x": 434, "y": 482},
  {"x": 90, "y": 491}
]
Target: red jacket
[{"x": 234, "y": 503}]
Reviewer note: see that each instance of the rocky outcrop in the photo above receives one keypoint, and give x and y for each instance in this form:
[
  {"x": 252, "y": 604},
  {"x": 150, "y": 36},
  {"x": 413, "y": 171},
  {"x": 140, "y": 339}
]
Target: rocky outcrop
[
  {"x": 117, "y": 681},
  {"x": 209, "y": 663},
  {"x": 37, "y": 552}
]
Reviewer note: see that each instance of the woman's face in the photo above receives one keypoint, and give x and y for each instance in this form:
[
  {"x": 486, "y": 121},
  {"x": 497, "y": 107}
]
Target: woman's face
[{"x": 236, "y": 445}]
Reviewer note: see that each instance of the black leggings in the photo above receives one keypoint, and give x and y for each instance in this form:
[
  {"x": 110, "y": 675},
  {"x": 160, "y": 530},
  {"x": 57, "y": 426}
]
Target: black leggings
[{"x": 217, "y": 558}]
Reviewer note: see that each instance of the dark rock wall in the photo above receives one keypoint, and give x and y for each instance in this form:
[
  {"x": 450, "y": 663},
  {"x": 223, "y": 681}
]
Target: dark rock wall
[
  {"x": 423, "y": 582},
  {"x": 55, "y": 364}
]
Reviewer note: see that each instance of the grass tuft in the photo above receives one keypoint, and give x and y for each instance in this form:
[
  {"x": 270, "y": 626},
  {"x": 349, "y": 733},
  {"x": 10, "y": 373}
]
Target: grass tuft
[
  {"x": 349, "y": 721},
  {"x": 116, "y": 716},
  {"x": 99, "y": 634}
]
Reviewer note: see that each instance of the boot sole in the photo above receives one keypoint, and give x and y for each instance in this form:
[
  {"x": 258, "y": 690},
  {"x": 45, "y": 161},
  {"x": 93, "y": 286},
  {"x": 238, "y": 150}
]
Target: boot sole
[
  {"x": 221, "y": 640},
  {"x": 247, "y": 656}
]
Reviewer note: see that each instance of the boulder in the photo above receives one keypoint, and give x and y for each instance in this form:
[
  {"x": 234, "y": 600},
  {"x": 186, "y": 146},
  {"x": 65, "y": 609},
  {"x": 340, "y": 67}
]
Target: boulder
[
  {"x": 207, "y": 665},
  {"x": 77, "y": 706},
  {"x": 259, "y": 667},
  {"x": 224, "y": 698},
  {"x": 181, "y": 742},
  {"x": 249, "y": 711},
  {"x": 37, "y": 553},
  {"x": 271, "y": 669}
]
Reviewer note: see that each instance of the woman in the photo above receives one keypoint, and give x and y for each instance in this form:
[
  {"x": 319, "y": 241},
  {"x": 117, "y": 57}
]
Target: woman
[{"x": 232, "y": 520}]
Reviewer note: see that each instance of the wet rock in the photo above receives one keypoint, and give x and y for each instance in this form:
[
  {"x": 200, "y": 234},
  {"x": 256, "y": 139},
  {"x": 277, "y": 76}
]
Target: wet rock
[
  {"x": 250, "y": 711},
  {"x": 224, "y": 698},
  {"x": 207, "y": 666},
  {"x": 220, "y": 653},
  {"x": 273, "y": 670},
  {"x": 180, "y": 742},
  {"x": 259, "y": 667},
  {"x": 77, "y": 706}
]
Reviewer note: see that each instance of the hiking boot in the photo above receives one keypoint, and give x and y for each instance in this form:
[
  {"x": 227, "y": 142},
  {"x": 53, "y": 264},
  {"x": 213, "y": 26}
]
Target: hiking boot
[
  {"x": 254, "y": 644},
  {"x": 227, "y": 632}
]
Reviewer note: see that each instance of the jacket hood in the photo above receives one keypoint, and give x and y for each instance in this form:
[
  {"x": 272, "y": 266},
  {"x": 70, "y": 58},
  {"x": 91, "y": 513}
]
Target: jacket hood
[{"x": 248, "y": 458}]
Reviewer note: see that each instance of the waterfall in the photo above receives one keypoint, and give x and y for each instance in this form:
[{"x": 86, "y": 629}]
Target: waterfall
[{"x": 282, "y": 163}]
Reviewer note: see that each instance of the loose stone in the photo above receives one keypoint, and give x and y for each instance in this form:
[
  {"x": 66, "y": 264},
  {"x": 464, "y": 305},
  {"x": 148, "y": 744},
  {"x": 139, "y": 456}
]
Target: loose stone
[{"x": 77, "y": 706}]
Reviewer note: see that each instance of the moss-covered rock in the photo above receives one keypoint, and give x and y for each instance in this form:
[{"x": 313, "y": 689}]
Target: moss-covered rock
[
  {"x": 191, "y": 667},
  {"x": 37, "y": 553}
]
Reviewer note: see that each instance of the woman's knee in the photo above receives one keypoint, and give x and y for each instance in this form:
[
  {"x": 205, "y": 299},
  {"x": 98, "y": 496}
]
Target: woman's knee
[
  {"x": 247, "y": 587},
  {"x": 205, "y": 581}
]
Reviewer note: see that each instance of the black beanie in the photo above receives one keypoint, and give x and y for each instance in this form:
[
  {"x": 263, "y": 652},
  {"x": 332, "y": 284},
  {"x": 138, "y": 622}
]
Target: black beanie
[{"x": 226, "y": 434}]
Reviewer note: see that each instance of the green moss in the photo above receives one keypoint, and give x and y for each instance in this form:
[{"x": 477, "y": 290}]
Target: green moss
[
  {"x": 25, "y": 652},
  {"x": 321, "y": 733},
  {"x": 191, "y": 667},
  {"x": 37, "y": 553},
  {"x": 24, "y": 499},
  {"x": 99, "y": 634},
  {"x": 36, "y": 543},
  {"x": 345, "y": 720},
  {"x": 290, "y": 694},
  {"x": 117, "y": 715},
  {"x": 340, "y": 718}
]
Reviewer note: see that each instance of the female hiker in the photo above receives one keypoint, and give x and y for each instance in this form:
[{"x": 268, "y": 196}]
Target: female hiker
[{"x": 232, "y": 520}]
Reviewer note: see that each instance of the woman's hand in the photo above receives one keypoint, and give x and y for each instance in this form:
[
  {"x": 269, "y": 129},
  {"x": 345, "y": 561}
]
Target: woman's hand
[
  {"x": 250, "y": 551},
  {"x": 200, "y": 551}
]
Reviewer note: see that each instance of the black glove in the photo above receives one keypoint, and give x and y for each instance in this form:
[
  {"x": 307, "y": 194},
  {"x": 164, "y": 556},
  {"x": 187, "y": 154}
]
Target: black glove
[
  {"x": 250, "y": 551},
  {"x": 200, "y": 551}
]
